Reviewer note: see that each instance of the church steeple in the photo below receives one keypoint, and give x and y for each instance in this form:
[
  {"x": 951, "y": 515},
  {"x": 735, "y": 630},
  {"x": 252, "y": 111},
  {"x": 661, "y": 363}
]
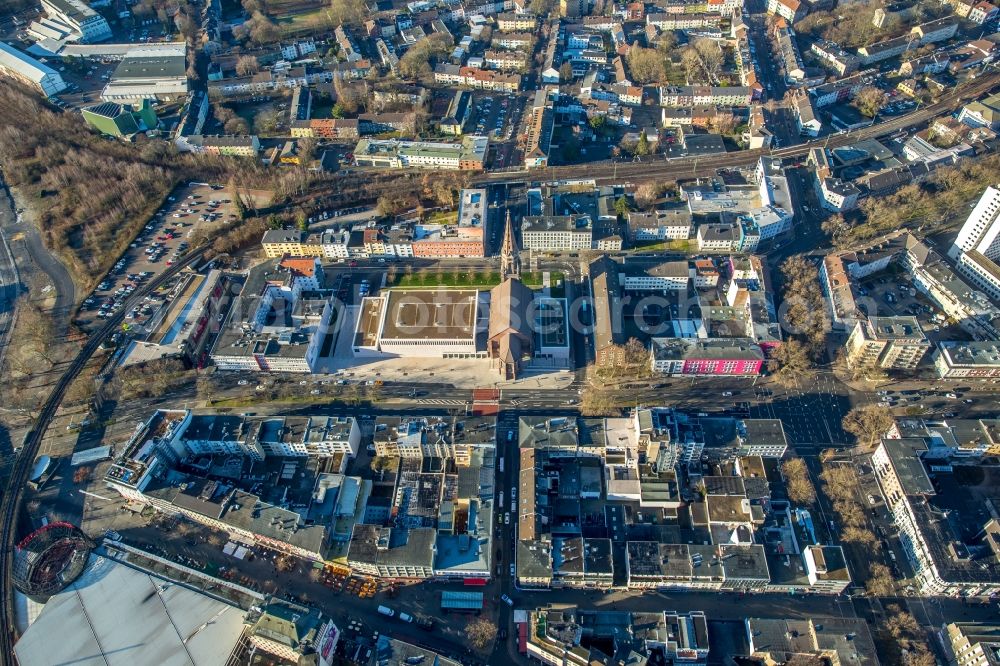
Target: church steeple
[{"x": 510, "y": 255}]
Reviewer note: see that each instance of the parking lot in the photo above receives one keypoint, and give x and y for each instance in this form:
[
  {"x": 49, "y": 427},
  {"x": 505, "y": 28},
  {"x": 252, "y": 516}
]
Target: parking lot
[
  {"x": 86, "y": 80},
  {"x": 163, "y": 241},
  {"x": 493, "y": 115},
  {"x": 897, "y": 106},
  {"x": 891, "y": 295}
]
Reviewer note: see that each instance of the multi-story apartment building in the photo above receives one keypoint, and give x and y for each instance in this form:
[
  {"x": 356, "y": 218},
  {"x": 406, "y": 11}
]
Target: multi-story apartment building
[
  {"x": 230, "y": 145},
  {"x": 326, "y": 128},
  {"x": 480, "y": 79},
  {"x": 557, "y": 635},
  {"x": 76, "y": 19},
  {"x": 705, "y": 96},
  {"x": 668, "y": 276},
  {"x": 976, "y": 249},
  {"x": 791, "y": 58},
  {"x": 838, "y": 195},
  {"x": 513, "y": 40},
  {"x": 146, "y": 472},
  {"x": 946, "y": 559},
  {"x": 726, "y": 7},
  {"x": 833, "y": 56},
  {"x": 983, "y": 12},
  {"x": 806, "y": 119},
  {"x": 982, "y": 113},
  {"x": 958, "y": 360},
  {"x": 706, "y": 357},
  {"x": 895, "y": 343},
  {"x": 727, "y": 237},
  {"x": 278, "y": 243},
  {"x": 511, "y": 22},
  {"x": 790, "y": 10},
  {"x": 540, "y": 125},
  {"x": 289, "y": 631},
  {"x": 840, "y": 90},
  {"x": 417, "y": 437},
  {"x": 506, "y": 61},
  {"x": 660, "y": 225},
  {"x": 775, "y": 198},
  {"x": 290, "y": 436},
  {"x": 973, "y": 644},
  {"x": 467, "y": 155},
  {"x": 925, "y": 33},
  {"x": 671, "y": 21},
  {"x": 279, "y": 322},
  {"x": 348, "y": 49},
  {"x": 554, "y": 233},
  {"x": 885, "y": 49}
]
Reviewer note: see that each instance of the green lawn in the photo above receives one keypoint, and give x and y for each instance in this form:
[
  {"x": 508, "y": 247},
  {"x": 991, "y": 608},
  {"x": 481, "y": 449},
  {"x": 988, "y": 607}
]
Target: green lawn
[
  {"x": 443, "y": 217},
  {"x": 665, "y": 246},
  {"x": 303, "y": 21}
]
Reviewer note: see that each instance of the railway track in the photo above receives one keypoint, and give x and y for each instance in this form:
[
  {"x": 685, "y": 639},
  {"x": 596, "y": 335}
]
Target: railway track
[
  {"x": 693, "y": 166},
  {"x": 11, "y": 501}
]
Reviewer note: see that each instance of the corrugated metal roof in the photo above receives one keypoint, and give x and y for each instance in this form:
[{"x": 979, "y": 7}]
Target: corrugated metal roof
[
  {"x": 469, "y": 600},
  {"x": 116, "y": 615}
]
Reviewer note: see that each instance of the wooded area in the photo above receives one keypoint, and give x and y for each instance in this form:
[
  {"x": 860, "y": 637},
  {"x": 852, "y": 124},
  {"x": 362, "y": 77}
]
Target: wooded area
[
  {"x": 941, "y": 200},
  {"x": 91, "y": 194}
]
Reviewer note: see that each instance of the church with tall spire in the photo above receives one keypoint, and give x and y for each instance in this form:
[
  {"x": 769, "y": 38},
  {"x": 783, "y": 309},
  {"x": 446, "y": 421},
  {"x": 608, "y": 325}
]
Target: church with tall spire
[{"x": 510, "y": 254}]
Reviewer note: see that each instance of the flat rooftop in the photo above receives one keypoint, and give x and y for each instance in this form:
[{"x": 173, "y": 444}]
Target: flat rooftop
[
  {"x": 430, "y": 314},
  {"x": 551, "y": 319},
  {"x": 137, "y": 65},
  {"x": 897, "y": 328},
  {"x": 366, "y": 334}
]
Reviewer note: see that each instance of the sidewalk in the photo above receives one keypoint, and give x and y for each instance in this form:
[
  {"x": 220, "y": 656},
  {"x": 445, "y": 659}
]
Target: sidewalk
[{"x": 462, "y": 373}]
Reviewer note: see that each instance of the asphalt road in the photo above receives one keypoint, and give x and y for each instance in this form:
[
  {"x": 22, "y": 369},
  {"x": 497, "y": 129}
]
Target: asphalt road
[
  {"x": 10, "y": 289},
  {"x": 30, "y": 242}
]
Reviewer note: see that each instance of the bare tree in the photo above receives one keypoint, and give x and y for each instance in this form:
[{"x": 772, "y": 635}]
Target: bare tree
[
  {"x": 247, "y": 65},
  {"x": 869, "y": 100},
  {"x": 598, "y": 402},
  {"x": 800, "y": 487},
  {"x": 481, "y": 633},
  {"x": 868, "y": 423},
  {"x": 711, "y": 56},
  {"x": 880, "y": 580},
  {"x": 347, "y": 12}
]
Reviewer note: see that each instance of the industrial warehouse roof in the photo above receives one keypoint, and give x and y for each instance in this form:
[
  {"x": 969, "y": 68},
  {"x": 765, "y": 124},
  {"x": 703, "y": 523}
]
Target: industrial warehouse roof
[
  {"x": 117, "y": 615},
  {"x": 461, "y": 600},
  {"x": 22, "y": 63},
  {"x": 140, "y": 65}
]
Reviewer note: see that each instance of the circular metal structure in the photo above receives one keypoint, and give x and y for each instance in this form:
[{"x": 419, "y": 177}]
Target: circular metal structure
[{"x": 50, "y": 558}]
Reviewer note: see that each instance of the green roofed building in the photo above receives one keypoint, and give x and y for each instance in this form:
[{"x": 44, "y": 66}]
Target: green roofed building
[
  {"x": 120, "y": 119},
  {"x": 290, "y": 631}
]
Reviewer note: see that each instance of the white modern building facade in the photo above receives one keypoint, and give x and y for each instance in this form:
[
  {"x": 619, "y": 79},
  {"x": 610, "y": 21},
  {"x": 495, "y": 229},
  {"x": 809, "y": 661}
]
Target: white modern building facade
[
  {"x": 21, "y": 67},
  {"x": 77, "y": 19},
  {"x": 977, "y": 246}
]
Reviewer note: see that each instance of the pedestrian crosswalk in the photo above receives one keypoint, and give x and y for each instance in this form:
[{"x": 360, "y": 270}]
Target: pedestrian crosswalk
[{"x": 442, "y": 401}]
